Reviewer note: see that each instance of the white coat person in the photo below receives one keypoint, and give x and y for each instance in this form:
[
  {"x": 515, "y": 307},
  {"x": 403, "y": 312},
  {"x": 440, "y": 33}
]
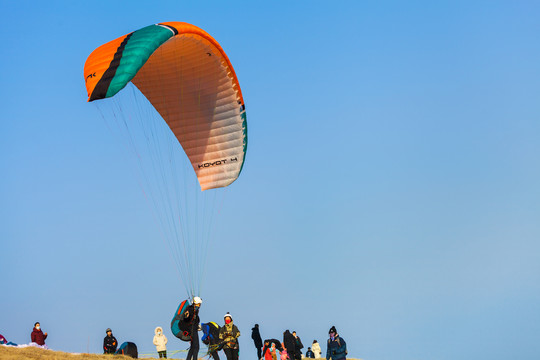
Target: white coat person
[
  {"x": 160, "y": 340},
  {"x": 316, "y": 348}
]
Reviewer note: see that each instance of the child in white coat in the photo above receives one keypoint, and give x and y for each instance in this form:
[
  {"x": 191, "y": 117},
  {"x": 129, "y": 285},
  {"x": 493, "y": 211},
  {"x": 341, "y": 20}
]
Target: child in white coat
[{"x": 160, "y": 341}]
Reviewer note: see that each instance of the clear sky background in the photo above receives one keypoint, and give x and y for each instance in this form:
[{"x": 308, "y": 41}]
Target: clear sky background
[{"x": 391, "y": 186}]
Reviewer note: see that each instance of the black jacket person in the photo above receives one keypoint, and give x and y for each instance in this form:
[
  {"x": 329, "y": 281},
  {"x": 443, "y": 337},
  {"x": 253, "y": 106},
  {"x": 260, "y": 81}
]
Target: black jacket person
[
  {"x": 298, "y": 346},
  {"x": 109, "y": 343},
  {"x": 289, "y": 342},
  {"x": 256, "y": 336}
]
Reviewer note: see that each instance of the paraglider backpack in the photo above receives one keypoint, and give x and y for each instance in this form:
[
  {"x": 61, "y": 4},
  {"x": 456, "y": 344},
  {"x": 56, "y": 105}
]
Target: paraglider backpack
[
  {"x": 211, "y": 336},
  {"x": 210, "y": 332},
  {"x": 180, "y": 328}
]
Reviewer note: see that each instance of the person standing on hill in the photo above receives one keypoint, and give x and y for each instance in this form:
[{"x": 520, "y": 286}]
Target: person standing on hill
[
  {"x": 37, "y": 335},
  {"x": 336, "y": 347},
  {"x": 109, "y": 343},
  {"x": 309, "y": 353},
  {"x": 256, "y": 336},
  {"x": 229, "y": 334},
  {"x": 289, "y": 341},
  {"x": 298, "y": 346},
  {"x": 160, "y": 340},
  {"x": 316, "y": 348},
  {"x": 191, "y": 316}
]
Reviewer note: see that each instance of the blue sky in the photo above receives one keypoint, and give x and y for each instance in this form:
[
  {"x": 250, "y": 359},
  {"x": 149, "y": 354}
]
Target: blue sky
[{"x": 391, "y": 185}]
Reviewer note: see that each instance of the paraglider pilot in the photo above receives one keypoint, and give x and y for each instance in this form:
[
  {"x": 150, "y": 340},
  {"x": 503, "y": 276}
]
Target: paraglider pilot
[{"x": 191, "y": 316}]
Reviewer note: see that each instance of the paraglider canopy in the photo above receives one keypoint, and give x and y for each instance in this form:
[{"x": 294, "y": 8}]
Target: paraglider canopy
[{"x": 190, "y": 81}]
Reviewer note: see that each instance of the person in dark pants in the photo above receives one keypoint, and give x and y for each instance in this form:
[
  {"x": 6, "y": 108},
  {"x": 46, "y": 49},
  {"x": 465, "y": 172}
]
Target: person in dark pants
[
  {"x": 289, "y": 341},
  {"x": 109, "y": 343},
  {"x": 256, "y": 336},
  {"x": 214, "y": 354},
  {"x": 228, "y": 334},
  {"x": 298, "y": 346},
  {"x": 191, "y": 316},
  {"x": 160, "y": 341}
]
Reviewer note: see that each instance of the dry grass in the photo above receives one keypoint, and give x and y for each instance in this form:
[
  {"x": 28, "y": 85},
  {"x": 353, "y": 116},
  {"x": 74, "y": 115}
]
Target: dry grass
[
  {"x": 13, "y": 353},
  {"x": 32, "y": 353}
]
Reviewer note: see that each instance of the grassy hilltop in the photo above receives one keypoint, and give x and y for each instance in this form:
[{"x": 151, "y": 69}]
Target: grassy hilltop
[
  {"x": 12, "y": 353},
  {"x": 31, "y": 353}
]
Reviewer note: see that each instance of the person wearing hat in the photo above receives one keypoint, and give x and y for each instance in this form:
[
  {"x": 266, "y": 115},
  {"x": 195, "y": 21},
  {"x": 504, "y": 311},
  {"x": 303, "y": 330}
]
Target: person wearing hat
[
  {"x": 228, "y": 334},
  {"x": 191, "y": 316},
  {"x": 336, "y": 347},
  {"x": 109, "y": 343},
  {"x": 38, "y": 336}
]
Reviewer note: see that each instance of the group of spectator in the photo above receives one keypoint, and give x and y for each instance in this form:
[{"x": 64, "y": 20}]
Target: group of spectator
[
  {"x": 291, "y": 347},
  {"x": 110, "y": 344}
]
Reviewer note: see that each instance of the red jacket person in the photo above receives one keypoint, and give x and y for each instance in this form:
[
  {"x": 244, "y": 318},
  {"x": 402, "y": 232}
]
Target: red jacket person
[{"x": 37, "y": 335}]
